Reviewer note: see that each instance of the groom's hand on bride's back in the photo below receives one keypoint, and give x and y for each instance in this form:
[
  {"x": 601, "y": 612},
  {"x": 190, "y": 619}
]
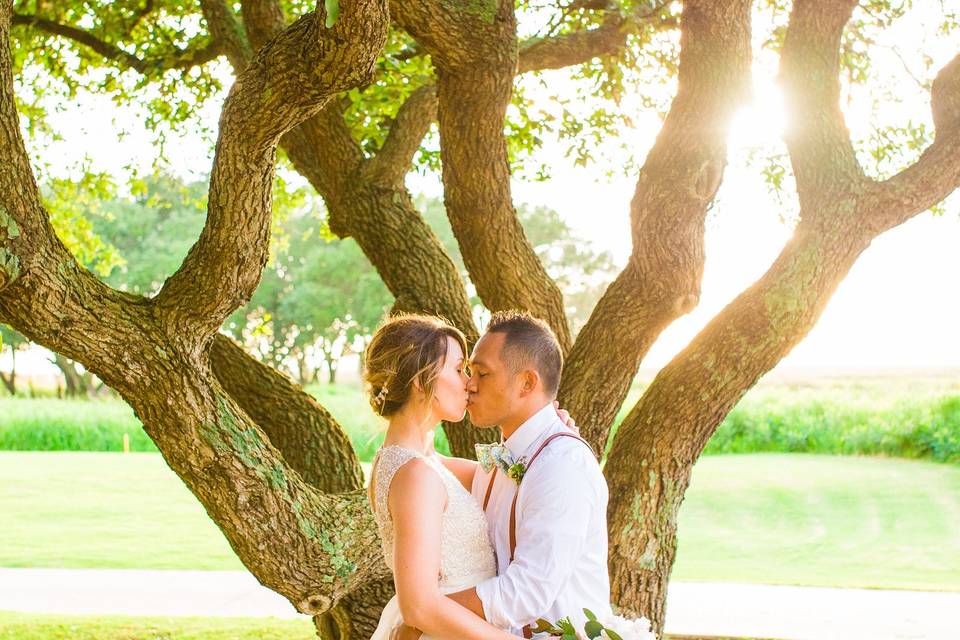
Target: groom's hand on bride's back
[
  {"x": 566, "y": 417},
  {"x": 403, "y": 632}
]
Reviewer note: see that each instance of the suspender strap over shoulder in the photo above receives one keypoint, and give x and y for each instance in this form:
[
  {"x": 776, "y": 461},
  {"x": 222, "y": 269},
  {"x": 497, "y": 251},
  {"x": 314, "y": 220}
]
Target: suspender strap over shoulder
[{"x": 513, "y": 507}]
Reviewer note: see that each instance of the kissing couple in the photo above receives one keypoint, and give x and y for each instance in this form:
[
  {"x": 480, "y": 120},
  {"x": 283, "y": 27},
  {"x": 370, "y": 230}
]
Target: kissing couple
[{"x": 482, "y": 550}]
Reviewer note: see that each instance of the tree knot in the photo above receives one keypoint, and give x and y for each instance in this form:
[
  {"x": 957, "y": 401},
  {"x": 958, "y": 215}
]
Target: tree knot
[{"x": 315, "y": 604}]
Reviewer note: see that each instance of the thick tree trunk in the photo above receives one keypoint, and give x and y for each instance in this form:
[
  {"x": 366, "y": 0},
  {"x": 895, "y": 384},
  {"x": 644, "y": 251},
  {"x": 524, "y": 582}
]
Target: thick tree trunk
[
  {"x": 356, "y": 616},
  {"x": 674, "y": 190},
  {"x": 311, "y": 441},
  {"x": 649, "y": 465},
  {"x": 311, "y": 547},
  {"x": 650, "y": 462},
  {"x": 314, "y": 445}
]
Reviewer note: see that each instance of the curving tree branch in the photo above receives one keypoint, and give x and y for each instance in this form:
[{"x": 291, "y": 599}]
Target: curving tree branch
[
  {"x": 474, "y": 51},
  {"x": 936, "y": 174},
  {"x": 557, "y": 52},
  {"x": 177, "y": 59},
  {"x": 288, "y": 81},
  {"x": 817, "y": 137},
  {"x": 675, "y": 187},
  {"x": 227, "y": 30},
  {"x": 309, "y": 546},
  {"x": 413, "y": 121},
  {"x": 650, "y": 462}
]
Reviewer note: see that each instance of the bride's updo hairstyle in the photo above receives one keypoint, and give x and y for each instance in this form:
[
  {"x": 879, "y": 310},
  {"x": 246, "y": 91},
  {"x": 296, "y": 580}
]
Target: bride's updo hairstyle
[{"x": 406, "y": 348}]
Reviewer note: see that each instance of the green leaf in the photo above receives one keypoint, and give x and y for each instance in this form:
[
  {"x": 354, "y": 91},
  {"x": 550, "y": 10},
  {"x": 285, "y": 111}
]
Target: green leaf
[
  {"x": 332, "y": 8},
  {"x": 590, "y": 615},
  {"x": 544, "y": 627},
  {"x": 613, "y": 635},
  {"x": 593, "y": 629},
  {"x": 567, "y": 627}
]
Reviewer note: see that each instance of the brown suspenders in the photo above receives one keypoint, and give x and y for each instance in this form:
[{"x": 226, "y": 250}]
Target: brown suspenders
[{"x": 513, "y": 507}]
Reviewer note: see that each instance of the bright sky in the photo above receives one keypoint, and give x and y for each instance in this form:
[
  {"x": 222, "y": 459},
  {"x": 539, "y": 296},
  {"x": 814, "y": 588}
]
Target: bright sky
[{"x": 897, "y": 308}]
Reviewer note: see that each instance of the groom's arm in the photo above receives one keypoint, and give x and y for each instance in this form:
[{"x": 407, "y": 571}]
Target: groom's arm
[{"x": 556, "y": 503}]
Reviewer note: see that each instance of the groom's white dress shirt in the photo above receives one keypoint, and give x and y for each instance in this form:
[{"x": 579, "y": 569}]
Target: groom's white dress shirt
[{"x": 560, "y": 562}]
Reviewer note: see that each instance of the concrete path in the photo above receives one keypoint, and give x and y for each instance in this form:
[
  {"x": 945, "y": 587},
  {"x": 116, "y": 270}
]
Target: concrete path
[{"x": 759, "y": 611}]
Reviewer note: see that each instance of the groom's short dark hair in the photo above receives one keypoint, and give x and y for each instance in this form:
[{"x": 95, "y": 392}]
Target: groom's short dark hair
[{"x": 529, "y": 343}]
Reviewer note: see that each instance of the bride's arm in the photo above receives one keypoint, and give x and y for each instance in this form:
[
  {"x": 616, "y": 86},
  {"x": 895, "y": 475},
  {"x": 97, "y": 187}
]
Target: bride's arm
[{"x": 417, "y": 500}]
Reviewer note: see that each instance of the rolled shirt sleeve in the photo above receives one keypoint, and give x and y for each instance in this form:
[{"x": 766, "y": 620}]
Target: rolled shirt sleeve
[{"x": 554, "y": 510}]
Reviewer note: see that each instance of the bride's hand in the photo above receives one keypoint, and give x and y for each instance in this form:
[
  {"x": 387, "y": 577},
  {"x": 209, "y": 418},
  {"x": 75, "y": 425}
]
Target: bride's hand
[{"x": 566, "y": 417}]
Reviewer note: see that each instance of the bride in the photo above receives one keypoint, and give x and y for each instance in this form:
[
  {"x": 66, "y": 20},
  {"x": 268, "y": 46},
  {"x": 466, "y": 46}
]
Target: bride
[{"x": 433, "y": 531}]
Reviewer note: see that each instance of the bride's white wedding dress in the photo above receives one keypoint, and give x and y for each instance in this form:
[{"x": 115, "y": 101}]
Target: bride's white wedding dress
[{"x": 466, "y": 556}]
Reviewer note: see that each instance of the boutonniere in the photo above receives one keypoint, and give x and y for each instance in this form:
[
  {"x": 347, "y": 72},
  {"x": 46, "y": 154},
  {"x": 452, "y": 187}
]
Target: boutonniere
[
  {"x": 497, "y": 455},
  {"x": 517, "y": 469}
]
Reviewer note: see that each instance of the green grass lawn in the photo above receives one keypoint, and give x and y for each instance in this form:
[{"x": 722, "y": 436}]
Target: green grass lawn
[
  {"x": 18, "y": 626},
  {"x": 821, "y": 520},
  {"x": 771, "y": 518}
]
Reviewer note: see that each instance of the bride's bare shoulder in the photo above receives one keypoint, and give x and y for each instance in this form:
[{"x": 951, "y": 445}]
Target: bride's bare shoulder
[{"x": 416, "y": 487}]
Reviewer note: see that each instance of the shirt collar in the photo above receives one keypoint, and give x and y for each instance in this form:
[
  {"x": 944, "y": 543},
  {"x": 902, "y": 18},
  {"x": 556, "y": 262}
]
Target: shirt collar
[{"x": 525, "y": 435}]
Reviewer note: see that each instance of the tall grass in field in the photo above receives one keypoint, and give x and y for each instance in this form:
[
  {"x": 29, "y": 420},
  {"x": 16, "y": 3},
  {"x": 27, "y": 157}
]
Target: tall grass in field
[
  {"x": 923, "y": 428},
  {"x": 914, "y": 415},
  {"x": 897, "y": 415},
  {"x": 31, "y": 424}
]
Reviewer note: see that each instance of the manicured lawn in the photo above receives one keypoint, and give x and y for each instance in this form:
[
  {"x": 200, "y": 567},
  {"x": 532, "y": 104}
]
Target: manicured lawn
[
  {"x": 18, "y": 626},
  {"x": 821, "y": 520},
  {"x": 108, "y": 510},
  {"x": 769, "y": 518}
]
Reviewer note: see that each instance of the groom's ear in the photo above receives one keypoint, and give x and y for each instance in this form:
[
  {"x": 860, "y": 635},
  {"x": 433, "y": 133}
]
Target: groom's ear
[{"x": 530, "y": 380}]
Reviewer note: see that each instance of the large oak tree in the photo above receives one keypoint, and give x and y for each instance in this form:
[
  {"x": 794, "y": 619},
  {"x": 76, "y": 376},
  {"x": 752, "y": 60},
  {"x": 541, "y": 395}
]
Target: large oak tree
[{"x": 270, "y": 465}]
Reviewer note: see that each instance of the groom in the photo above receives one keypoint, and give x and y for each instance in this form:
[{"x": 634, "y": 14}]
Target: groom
[{"x": 559, "y": 563}]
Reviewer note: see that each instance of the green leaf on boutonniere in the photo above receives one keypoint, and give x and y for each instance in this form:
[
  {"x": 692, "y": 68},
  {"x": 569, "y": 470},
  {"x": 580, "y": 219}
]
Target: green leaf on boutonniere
[
  {"x": 593, "y": 629},
  {"x": 567, "y": 627}
]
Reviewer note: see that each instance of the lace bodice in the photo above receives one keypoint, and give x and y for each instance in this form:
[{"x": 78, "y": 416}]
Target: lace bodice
[{"x": 465, "y": 550}]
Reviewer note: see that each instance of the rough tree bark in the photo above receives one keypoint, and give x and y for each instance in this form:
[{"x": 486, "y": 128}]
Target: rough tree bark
[
  {"x": 674, "y": 190},
  {"x": 474, "y": 51},
  {"x": 310, "y": 546},
  {"x": 223, "y": 434},
  {"x": 649, "y": 465}
]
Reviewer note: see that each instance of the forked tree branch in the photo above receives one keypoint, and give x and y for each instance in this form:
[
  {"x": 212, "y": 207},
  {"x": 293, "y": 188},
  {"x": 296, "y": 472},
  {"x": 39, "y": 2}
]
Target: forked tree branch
[
  {"x": 817, "y": 137},
  {"x": 288, "y": 81}
]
